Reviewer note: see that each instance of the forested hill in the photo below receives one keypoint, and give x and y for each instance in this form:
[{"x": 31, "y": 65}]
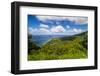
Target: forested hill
[
  {"x": 72, "y": 47},
  {"x": 83, "y": 34}
]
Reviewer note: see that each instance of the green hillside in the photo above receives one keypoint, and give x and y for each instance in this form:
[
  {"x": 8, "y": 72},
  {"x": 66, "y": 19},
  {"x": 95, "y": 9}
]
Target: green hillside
[{"x": 72, "y": 47}]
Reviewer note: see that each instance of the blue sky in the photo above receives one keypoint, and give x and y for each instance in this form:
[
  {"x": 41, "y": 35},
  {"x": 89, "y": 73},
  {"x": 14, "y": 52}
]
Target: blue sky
[{"x": 56, "y": 25}]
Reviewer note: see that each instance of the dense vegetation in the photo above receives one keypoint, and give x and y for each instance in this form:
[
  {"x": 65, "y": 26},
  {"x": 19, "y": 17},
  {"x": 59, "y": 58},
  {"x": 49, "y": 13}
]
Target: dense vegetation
[
  {"x": 31, "y": 45},
  {"x": 73, "y": 47}
]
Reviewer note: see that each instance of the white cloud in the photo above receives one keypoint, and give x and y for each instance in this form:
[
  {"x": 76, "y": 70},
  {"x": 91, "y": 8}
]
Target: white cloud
[
  {"x": 77, "y": 20},
  {"x": 44, "y": 26},
  {"x": 44, "y": 30},
  {"x": 57, "y": 29},
  {"x": 31, "y": 30},
  {"x": 45, "y": 18},
  {"x": 77, "y": 30},
  {"x": 38, "y": 31},
  {"x": 67, "y": 26}
]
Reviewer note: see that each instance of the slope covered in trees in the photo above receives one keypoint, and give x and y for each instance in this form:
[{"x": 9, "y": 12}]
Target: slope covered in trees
[{"x": 72, "y": 47}]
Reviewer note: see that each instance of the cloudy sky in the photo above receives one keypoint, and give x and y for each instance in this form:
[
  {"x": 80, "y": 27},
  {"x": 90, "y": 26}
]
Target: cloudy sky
[{"x": 56, "y": 25}]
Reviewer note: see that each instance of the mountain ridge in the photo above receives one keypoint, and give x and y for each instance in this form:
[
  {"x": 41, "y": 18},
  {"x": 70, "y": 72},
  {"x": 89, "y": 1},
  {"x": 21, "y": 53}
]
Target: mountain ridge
[{"x": 73, "y": 47}]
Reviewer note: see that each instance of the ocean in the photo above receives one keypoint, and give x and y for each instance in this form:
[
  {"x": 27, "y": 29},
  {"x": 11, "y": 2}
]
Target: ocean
[{"x": 42, "y": 39}]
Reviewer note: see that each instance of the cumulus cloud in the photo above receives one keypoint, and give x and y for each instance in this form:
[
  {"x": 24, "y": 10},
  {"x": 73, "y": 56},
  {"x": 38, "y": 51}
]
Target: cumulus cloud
[
  {"x": 57, "y": 29},
  {"x": 77, "y": 30},
  {"x": 77, "y": 20},
  {"x": 39, "y": 31},
  {"x": 43, "y": 30},
  {"x": 53, "y": 30},
  {"x": 31, "y": 30},
  {"x": 45, "y": 18},
  {"x": 44, "y": 26}
]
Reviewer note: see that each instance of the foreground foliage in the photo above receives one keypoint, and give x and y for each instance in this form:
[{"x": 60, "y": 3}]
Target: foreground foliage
[{"x": 73, "y": 47}]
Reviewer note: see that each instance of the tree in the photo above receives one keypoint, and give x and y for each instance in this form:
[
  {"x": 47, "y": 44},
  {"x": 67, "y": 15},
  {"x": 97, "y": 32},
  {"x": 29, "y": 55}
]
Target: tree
[{"x": 31, "y": 44}]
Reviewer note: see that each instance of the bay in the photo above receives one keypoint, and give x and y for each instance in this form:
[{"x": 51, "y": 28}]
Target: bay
[{"x": 40, "y": 40}]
